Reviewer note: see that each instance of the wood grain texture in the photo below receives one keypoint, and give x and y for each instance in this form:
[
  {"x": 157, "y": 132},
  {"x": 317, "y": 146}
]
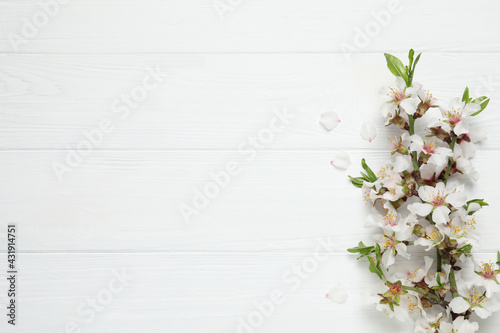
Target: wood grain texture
[
  {"x": 218, "y": 101},
  {"x": 132, "y": 201},
  {"x": 224, "y": 74},
  {"x": 153, "y": 26},
  {"x": 203, "y": 292}
]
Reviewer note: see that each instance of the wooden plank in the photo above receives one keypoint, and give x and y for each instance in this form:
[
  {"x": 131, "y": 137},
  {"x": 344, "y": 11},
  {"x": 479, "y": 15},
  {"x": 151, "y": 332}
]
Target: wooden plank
[
  {"x": 217, "y": 101},
  {"x": 198, "y": 292},
  {"x": 144, "y": 201},
  {"x": 248, "y": 26}
]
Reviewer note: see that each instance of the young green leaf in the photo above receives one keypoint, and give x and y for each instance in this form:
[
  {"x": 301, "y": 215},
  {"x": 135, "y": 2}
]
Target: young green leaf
[
  {"x": 482, "y": 102},
  {"x": 391, "y": 306},
  {"x": 378, "y": 254},
  {"x": 371, "y": 174},
  {"x": 395, "y": 66},
  {"x": 481, "y": 203},
  {"x": 465, "y": 96},
  {"x": 416, "y": 61},
  {"x": 466, "y": 250},
  {"x": 411, "y": 53},
  {"x": 358, "y": 181},
  {"x": 438, "y": 279},
  {"x": 409, "y": 81},
  {"x": 361, "y": 249},
  {"x": 374, "y": 269}
]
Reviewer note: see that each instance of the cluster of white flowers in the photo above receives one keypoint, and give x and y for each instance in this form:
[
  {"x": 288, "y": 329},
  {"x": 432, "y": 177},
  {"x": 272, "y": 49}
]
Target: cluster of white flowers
[{"x": 419, "y": 199}]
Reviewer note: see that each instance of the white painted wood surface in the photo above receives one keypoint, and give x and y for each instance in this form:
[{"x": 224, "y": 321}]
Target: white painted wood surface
[{"x": 223, "y": 80}]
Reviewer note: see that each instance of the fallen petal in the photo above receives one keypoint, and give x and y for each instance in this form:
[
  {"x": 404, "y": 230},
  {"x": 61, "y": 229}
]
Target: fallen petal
[
  {"x": 329, "y": 120},
  {"x": 368, "y": 132},
  {"x": 341, "y": 160},
  {"x": 337, "y": 294}
]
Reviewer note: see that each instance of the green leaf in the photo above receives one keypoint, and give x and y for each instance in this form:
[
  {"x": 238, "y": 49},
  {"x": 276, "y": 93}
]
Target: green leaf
[
  {"x": 361, "y": 249},
  {"x": 481, "y": 203},
  {"x": 466, "y": 250},
  {"x": 416, "y": 61},
  {"x": 378, "y": 254},
  {"x": 411, "y": 53},
  {"x": 358, "y": 181},
  {"x": 373, "y": 268},
  {"x": 483, "y": 102},
  {"x": 371, "y": 175},
  {"x": 411, "y": 71},
  {"x": 391, "y": 306},
  {"x": 498, "y": 258},
  {"x": 415, "y": 64},
  {"x": 396, "y": 66},
  {"x": 465, "y": 96}
]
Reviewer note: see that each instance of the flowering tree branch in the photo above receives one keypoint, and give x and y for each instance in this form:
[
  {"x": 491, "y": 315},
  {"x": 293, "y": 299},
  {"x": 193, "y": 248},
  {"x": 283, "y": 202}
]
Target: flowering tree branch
[{"x": 419, "y": 200}]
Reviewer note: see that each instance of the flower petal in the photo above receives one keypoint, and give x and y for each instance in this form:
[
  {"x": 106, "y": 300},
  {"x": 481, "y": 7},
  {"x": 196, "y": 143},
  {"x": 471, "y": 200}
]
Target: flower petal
[
  {"x": 401, "y": 248},
  {"x": 445, "y": 327},
  {"x": 428, "y": 263},
  {"x": 468, "y": 149},
  {"x": 420, "y": 208},
  {"x": 402, "y": 163},
  {"x": 478, "y": 135},
  {"x": 410, "y": 104},
  {"x": 441, "y": 214},
  {"x": 461, "y": 128},
  {"x": 388, "y": 258},
  {"x": 337, "y": 294},
  {"x": 341, "y": 160},
  {"x": 368, "y": 132},
  {"x": 329, "y": 120},
  {"x": 426, "y": 193},
  {"x": 456, "y": 199},
  {"x": 471, "y": 108},
  {"x": 482, "y": 312},
  {"x": 459, "y": 305},
  {"x": 463, "y": 325}
]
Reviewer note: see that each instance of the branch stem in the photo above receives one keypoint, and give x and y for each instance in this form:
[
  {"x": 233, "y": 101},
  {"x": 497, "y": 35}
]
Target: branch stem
[
  {"x": 450, "y": 161},
  {"x": 425, "y": 293},
  {"x": 453, "y": 283},
  {"x": 439, "y": 262},
  {"x": 411, "y": 131}
]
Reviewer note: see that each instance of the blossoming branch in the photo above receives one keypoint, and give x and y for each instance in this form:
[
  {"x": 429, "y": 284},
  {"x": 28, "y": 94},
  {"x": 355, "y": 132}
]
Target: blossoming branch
[{"x": 419, "y": 200}]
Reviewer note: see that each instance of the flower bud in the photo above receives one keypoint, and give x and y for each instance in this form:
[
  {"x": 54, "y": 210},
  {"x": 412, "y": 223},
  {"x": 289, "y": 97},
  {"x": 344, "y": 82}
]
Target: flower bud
[
  {"x": 464, "y": 137},
  {"x": 440, "y": 133},
  {"x": 418, "y": 230},
  {"x": 396, "y": 146},
  {"x": 421, "y": 110},
  {"x": 402, "y": 150},
  {"x": 399, "y": 121},
  {"x": 425, "y": 303}
]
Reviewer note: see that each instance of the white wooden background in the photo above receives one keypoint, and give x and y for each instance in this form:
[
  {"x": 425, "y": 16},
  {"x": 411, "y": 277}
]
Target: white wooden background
[{"x": 224, "y": 76}]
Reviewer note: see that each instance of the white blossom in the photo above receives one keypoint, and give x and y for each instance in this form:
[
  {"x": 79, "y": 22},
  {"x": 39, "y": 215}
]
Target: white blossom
[{"x": 437, "y": 200}]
